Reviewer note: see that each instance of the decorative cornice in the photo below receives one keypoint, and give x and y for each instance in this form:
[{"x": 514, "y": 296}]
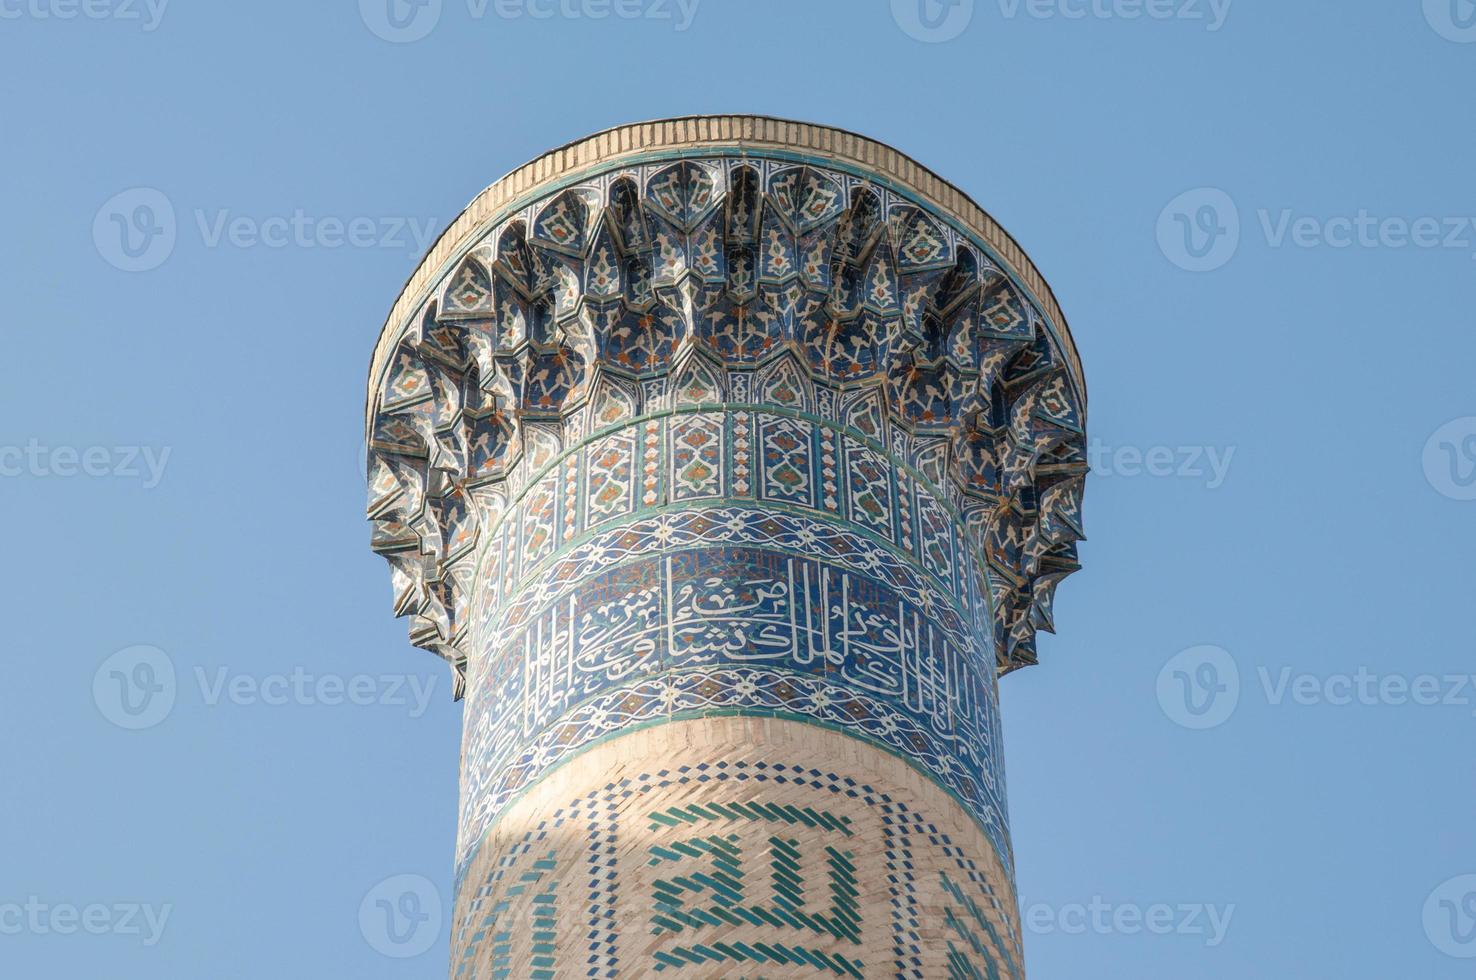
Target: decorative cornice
[
  {"x": 612, "y": 147},
  {"x": 644, "y": 266}
]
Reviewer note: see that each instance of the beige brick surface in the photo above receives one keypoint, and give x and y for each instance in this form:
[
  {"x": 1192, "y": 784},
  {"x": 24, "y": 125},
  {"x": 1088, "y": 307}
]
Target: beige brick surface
[{"x": 883, "y": 871}]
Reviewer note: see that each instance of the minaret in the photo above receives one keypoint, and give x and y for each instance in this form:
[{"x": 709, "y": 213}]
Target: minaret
[{"x": 728, "y": 461}]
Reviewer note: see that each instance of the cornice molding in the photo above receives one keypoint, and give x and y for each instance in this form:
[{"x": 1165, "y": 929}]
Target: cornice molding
[{"x": 613, "y": 147}]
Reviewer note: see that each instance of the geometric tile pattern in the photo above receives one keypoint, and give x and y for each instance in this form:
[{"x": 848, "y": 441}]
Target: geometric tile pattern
[{"x": 729, "y": 603}]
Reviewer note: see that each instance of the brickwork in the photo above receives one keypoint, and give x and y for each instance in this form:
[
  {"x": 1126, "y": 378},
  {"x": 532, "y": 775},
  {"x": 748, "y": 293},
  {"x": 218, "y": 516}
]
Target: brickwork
[{"x": 736, "y": 847}]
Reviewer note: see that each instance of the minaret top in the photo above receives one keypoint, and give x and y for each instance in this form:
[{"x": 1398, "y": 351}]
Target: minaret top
[
  {"x": 713, "y": 263},
  {"x": 611, "y": 148}
]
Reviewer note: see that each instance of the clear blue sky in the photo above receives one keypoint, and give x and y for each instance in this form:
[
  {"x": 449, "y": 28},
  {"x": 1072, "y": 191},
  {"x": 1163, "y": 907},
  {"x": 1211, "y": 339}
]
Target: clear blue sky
[{"x": 1318, "y": 356}]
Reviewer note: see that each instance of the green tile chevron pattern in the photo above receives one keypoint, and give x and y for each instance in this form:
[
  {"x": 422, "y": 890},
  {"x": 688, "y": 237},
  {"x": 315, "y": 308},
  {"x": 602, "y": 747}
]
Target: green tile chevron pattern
[
  {"x": 960, "y": 964},
  {"x": 717, "y": 895},
  {"x": 752, "y": 810},
  {"x": 542, "y": 935}
]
